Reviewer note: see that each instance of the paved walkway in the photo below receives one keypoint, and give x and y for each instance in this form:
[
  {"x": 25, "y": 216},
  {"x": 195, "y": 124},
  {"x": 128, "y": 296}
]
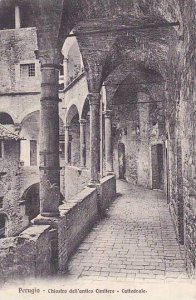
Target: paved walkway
[{"x": 136, "y": 241}]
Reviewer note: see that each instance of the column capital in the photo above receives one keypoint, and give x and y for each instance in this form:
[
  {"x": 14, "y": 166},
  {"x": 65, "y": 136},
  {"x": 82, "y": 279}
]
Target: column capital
[
  {"x": 82, "y": 121},
  {"x": 94, "y": 98},
  {"x": 107, "y": 113},
  {"x": 49, "y": 58}
]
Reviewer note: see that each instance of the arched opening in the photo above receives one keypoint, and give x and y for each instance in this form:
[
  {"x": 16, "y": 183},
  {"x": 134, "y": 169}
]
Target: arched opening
[
  {"x": 3, "y": 225},
  {"x": 72, "y": 121},
  {"x": 75, "y": 141},
  {"x": 32, "y": 201},
  {"x": 73, "y": 64},
  {"x": 86, "y": 116},
  {"x": 30, "y": 145},
  {"x": 6, "y": 119},
  {"x": 121, "y": 161}
]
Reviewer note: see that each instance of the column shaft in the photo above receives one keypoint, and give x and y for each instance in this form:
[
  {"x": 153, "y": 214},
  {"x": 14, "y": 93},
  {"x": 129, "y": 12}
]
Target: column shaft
[
  {"x": 94, "y": 101},
  {"x": 82, "y": 143},
  {"x": 49, "y": 141},
  {"x": 66, "y": 144},
  {"x": 65, "y": 67},
  {"x": 108, "y": 142},
  {"x": 17, "y": 17}
]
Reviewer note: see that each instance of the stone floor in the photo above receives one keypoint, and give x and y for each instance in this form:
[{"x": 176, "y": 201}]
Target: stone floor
[{"x": 135, "y": 241}]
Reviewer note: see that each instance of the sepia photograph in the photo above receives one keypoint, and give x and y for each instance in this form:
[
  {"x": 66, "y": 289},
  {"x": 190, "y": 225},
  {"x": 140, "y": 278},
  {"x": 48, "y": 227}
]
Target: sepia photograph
[{"x": 97, "y": 149}]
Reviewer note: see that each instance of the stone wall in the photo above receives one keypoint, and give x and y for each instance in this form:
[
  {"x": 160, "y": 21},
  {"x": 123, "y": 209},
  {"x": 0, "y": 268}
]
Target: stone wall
[
  {"x": 10, "y": 189},
  {"x": 17, "y": 47},
  {"x": 43, "y": 250},
  {"x": 138, "y": 126},
  {"x": 28, "y": 255},
  {"x": 181, "y": 132},
  {"x": 107, "y": 192},
  {"x": 187, "y": 107}
]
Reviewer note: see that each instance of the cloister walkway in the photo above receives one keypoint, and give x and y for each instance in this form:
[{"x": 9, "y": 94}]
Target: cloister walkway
[{"x": 135, "y": 241}]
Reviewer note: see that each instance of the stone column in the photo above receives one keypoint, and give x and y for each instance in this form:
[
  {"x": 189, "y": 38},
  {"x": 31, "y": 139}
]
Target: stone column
[
  {"x": 94, "y": 102},
  {"x": 17, "y": 17},
  {"x": 82, "y": 143},
  {"x": 49, "y": 134},
  {"x": 108, "y": 142},
  {"x": 65, "y": 68},
  {"x": 66, "y": 144}
]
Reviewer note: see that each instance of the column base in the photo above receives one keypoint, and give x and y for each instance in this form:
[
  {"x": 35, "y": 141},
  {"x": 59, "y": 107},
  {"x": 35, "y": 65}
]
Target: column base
[
  {"x": 110, "y": 173},
  {"x": 46, "y": 220}
]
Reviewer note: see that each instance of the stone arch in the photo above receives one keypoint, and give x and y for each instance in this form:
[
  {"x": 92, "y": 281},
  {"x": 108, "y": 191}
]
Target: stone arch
[
  {"x": 32, "y": 201},
  {"x": 69, "y": 42},
  {"x": 73, "y": 63},
  {"x": 30, "y": 144},
  {"x": 72, "y": 111},
  {"x": 132, "y": 79},
  {"x": 3, "y": 225},
  {"x": 85, "y": 109},
  {"x": 72, "y": 120},
  {"x": 85, "y": 114}
]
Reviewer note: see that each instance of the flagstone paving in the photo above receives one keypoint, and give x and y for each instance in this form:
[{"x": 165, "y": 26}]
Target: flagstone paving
[{"x": 135, "y": 241}]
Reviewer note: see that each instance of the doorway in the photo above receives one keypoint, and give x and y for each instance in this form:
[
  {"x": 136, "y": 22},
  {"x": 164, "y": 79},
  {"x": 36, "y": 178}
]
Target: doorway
[
  {"x": 121, "y": 161},
  {"x": 32, "y": 201},
  {"x": 157, "y": 166}
]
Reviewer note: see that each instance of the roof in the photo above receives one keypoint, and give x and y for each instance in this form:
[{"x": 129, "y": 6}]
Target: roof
[{"x": 7, "y": 135}]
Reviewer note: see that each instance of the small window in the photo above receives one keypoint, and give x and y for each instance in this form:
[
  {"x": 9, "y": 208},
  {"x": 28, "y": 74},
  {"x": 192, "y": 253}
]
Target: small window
[{"x": 27, "y": 70}]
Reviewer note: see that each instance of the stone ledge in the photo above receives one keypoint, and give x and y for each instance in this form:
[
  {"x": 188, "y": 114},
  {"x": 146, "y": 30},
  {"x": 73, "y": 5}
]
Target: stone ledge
[
  {"x": 80, "y": 197},
  {"x": 33, "y": 232}
]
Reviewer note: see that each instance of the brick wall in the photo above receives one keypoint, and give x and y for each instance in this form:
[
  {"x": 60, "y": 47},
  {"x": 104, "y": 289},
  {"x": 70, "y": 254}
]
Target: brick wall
[{"x": 81, "y": 213}]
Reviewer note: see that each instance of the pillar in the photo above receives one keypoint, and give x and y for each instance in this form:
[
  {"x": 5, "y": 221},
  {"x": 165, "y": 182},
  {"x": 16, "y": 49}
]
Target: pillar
[
  {"x": 82, "y": 143},
  {"x": 67, "y": 141},
  {"x": 17, "y": 17},
  {"x": 108, "y": 142},
  {"x": 49, "y": 135},
  {"x": 65, "y": 67},
  {"x": 94, "y": 102}
]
